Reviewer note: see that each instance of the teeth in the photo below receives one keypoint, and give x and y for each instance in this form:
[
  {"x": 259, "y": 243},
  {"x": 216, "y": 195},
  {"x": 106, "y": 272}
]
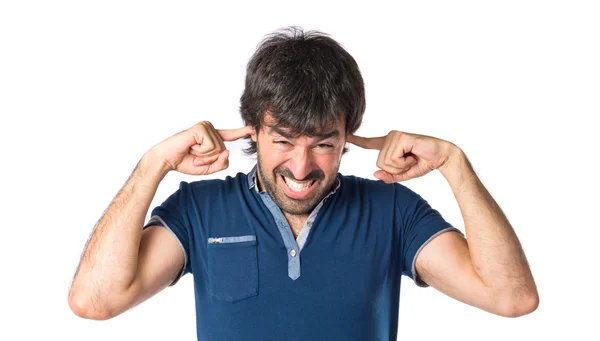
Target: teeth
[{"x": 297, "y": 186}]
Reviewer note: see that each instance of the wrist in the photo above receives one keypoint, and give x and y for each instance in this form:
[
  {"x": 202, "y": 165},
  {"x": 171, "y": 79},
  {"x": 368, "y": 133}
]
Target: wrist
[
  {"x": 457, "y": 166},
  {"x": 154, "y": 165}
]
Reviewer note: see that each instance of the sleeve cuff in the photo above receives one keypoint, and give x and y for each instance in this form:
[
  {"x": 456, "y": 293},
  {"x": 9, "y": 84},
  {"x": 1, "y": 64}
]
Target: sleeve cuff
[
  {"x": 418, "y": 281},
  {"x": 156, "y": 220}
]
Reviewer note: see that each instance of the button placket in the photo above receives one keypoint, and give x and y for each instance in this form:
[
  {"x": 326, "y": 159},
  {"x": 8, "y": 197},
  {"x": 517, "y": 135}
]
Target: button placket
[{"x": 292, "y": 245}]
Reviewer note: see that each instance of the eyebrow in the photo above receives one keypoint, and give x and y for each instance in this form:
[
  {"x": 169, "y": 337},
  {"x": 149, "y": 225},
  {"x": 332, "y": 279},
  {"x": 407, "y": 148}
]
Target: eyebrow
[{"x": 322, "y": 136}]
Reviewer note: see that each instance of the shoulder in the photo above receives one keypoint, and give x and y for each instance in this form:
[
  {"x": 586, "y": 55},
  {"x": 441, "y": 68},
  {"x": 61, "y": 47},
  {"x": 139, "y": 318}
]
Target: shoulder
[
  {"x": 229, "y": 184},
  {"x": 369, "y": 187},
  {"x": 357, "y": 182}
]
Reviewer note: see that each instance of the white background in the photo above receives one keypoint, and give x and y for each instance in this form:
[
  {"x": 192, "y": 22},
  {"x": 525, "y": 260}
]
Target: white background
[{"x": 86, "y": 88}]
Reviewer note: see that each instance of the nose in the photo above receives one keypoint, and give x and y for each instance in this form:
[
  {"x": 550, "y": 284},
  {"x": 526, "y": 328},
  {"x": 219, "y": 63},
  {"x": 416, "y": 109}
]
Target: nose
[{"x": 301, "y": 163}]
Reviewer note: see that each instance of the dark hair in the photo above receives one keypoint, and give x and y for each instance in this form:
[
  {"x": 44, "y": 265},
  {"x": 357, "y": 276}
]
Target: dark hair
[{"x": 305, "y": 80}]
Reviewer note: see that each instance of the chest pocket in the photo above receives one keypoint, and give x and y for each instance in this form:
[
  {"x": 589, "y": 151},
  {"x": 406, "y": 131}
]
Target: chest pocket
[{"x": 232, "y": 268}]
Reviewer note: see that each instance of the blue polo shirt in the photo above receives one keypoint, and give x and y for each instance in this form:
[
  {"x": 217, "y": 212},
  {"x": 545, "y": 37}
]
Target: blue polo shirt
[{"x": 338, "y": 280}]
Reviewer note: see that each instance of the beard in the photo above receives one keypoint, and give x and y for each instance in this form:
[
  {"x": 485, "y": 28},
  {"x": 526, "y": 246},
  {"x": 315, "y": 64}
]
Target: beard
[{"x": 292, "y": 205}]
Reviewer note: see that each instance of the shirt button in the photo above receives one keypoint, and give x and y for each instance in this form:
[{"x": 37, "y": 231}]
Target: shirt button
[{"x": 293, "y": 253}]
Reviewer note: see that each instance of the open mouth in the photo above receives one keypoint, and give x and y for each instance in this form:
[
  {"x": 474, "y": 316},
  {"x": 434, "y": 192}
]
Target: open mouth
[{"x": 297, "y": 189}]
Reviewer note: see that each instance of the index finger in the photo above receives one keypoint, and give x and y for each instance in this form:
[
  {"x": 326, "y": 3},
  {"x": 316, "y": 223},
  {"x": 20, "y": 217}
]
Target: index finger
[
  {"x": 235, "y": 134},
  {"x": 366, "y": 142}
]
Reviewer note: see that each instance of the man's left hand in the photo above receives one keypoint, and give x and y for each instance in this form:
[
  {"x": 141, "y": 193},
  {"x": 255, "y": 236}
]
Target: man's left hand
[{"x": 404, "y": 156}]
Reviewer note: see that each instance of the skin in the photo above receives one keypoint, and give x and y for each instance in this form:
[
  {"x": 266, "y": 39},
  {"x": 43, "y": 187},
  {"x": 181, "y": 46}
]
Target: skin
[
  {"x": 489, "y": 271},
  {"x": 305, "y": 159},
  {"x": 122, "y": 265}
]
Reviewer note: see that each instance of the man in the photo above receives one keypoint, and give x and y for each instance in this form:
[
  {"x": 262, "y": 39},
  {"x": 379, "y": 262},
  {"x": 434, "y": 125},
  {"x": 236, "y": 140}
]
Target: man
[{"x": 294, "y": 250}]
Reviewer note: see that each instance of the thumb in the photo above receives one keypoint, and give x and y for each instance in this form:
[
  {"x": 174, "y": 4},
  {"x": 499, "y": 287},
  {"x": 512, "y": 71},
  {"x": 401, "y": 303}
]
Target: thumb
[
  {"x": 221, "y": 163},
  {"x": 384, "y": 176}
]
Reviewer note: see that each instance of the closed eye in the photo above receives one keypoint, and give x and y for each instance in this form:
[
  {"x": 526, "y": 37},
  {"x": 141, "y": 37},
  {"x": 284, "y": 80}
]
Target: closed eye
[{"x": 320, "y": 145}]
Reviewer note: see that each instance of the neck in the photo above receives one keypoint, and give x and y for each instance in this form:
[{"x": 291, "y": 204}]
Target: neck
[{"x": 296, "y": 221}]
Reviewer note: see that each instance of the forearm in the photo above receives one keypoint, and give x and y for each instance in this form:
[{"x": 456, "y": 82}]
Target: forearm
[
  {"x": 109, "y": 262},
  {"x": 495, "y": 250}
]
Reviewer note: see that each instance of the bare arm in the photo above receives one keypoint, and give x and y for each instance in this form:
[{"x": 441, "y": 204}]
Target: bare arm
[
  {"x": 489, "y": 268},
  {"x": 102, "y": 286},
  {"x": 122, "y": 266}
]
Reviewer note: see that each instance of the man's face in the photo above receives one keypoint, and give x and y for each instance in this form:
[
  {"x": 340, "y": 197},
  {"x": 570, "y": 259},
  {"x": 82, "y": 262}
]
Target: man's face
[{"x": 298, "y": 172}]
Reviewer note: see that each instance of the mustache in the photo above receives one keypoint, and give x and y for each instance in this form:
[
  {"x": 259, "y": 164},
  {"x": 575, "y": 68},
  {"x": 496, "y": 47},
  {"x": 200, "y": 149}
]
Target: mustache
[{"x": 316, "y": 174}]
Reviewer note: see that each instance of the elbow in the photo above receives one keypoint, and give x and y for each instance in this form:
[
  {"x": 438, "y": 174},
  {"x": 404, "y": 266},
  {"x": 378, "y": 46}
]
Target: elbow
[
  {"x": 84, "y": 307},
  {"x": 520, "y": 305}
]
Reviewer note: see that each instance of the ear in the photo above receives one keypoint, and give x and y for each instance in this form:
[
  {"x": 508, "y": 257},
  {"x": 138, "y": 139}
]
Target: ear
[{"x": 253, "y": 135}]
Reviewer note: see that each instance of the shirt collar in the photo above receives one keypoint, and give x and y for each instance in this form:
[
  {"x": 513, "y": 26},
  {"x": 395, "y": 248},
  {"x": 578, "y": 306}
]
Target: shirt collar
[{"x": 252, "y": 178}]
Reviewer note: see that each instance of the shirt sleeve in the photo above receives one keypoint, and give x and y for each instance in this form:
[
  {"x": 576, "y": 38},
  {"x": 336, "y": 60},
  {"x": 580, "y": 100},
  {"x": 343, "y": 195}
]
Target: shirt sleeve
[
  {"x": 419, "y": 224},
  {"x": 172, "y": 214}
]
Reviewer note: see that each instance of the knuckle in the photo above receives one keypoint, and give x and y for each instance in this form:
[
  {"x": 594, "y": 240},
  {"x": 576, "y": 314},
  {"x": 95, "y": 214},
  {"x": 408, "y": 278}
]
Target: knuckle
[
  {"x": 199, "y": 130},
  {"x": 209, "y": 125},
  {"x": 205, "y": 126}
]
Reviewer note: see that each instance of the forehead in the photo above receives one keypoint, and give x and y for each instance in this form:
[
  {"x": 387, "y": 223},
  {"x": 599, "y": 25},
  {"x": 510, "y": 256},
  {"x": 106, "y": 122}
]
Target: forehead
[
  {"x": 331, "y": 129},
  {"x": 319, "y": 135}
]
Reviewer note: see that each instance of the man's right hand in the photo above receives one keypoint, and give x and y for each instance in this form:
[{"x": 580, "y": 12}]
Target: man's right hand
[{"x": 199, "y": 150}]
